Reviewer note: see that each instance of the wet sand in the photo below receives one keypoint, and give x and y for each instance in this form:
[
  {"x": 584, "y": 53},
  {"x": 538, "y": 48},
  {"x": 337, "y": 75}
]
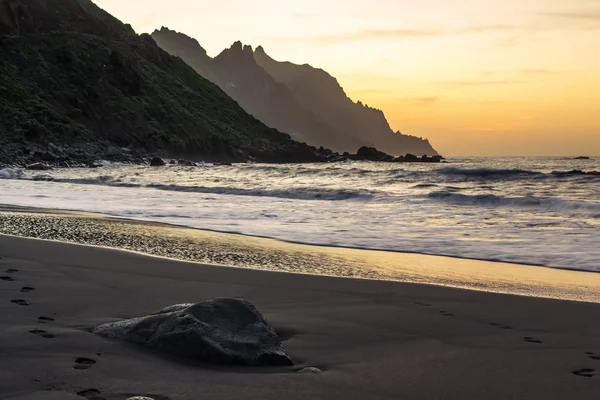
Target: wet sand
[
  {"x": 372, "y": 339},
  {"x": 273, "y": 255}
]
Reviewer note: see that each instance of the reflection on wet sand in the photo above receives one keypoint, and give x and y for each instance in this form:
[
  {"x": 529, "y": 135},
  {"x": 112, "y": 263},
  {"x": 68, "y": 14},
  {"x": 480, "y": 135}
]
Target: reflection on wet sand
[{"x": 268, "y": 254}]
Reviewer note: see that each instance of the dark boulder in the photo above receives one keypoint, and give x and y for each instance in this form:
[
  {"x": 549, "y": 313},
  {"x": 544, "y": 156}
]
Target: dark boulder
[
  {"x": 157, "y": 162},
  {"x": 372, "y": 154},
  {"x": 186, "y": 163},
  {"x": 411, "y": 158},
  {"x": 223, "y": 331},
  {"x": 582, "y": 158}
]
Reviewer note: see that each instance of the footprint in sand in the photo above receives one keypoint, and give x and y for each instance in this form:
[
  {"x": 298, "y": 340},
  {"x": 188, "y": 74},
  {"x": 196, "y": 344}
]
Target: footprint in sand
[
  {"x": 7, "y": 278},
  {"x": 83, "y": 363},
  {"x": 89, "y": 393},
  {"x": 447, "y": 314},
  {"x": 27, "y": 289},
  {"x": 506, "y": 327},
  {"x": 593, "y": 356},
  {"x": 422, "y": 304},
  {"x": 45, "y": 320},
  {"x": 20, "y": 302},
  {"x": 585, "y": 372},
  {"x": 529, "y": 339},
  {"x": 42, "y": 333},
  {"x": 11, "y": 271}
]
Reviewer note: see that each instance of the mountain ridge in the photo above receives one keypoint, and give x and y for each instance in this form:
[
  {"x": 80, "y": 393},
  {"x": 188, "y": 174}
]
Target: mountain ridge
[
  {"x": 76, "y": 84},
  {"x": 331, "y": 118},
  {"x": 353, "y": 117},
  {"x": 236, "y": 72}
]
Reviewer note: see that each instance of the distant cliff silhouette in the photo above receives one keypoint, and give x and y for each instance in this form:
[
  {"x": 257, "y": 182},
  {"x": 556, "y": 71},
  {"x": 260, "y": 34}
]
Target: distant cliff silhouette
[{"x": 303, "y": 101}]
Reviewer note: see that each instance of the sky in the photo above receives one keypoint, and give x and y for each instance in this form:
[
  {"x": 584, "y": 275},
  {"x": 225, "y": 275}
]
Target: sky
[{"x": 475, "y": 77}]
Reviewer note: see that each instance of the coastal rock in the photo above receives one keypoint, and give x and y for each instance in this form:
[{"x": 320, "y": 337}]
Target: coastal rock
[
  {"x": 223, "y": 331},
  {"x": 372, "y": 154},
  {"x": 157, "y": 162}
]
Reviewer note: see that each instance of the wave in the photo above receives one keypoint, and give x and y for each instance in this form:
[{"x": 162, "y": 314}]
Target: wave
[
  {"x": 490, "y": 200},
  {"x": 291, "y": 193},
  {"x": 576, "y": 172},
  {"x": 487, "y": 172}
]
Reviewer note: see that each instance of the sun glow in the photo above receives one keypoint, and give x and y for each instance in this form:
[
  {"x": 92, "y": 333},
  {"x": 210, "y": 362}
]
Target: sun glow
[{"x": 476, "y": 78}]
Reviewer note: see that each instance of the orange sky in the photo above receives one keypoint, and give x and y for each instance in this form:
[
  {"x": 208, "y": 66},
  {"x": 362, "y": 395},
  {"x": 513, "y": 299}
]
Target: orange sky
[{"x": 475, "y": 77}]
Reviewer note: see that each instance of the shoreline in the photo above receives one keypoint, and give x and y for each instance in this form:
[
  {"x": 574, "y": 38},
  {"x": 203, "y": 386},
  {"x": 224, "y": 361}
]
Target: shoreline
[
  {"x": 371, "y": 339},
  {"x": 437, "y": 219},
  {"x": 251, "y": 252},
  {"x": 17, "y": 208}
]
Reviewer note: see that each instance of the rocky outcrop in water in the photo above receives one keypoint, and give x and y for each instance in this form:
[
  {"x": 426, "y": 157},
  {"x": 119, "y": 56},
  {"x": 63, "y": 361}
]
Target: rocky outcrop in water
[
  {"x": 223, "y": 331},
  {"x": 372, "y": 154},
  {"x": 157, "y": 162}
]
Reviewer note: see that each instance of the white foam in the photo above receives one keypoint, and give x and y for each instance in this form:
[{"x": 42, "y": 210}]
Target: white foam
[
  {"x": 552, "y": 222},
  {"x": 10, "y": 173}
]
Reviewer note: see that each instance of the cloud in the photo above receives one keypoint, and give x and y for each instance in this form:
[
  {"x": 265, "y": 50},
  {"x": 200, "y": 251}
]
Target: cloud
[
  {"x": 588, "y": 15},
  {"x": 370, "y": 34},
  {"x": 484, "y": 29},
  {"x": 536, "y": 71},
  {"x": 402, "y": 33},
  {"x": 480, "y": 83},
  {"x": 490, "y": 128},
  {"x": 583, "y": 19},
  {"x": 523, "y": 71},
  {"x": 426, "y": 100},
  {"x": 301, "y": 15}
]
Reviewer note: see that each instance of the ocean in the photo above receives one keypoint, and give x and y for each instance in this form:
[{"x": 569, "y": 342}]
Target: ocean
[{"x": 539, "y": 211}]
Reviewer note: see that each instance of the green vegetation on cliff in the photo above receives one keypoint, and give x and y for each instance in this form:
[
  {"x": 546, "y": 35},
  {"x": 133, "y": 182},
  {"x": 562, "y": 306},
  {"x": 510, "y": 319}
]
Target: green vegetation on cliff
[{"x": 78, "y": 79}]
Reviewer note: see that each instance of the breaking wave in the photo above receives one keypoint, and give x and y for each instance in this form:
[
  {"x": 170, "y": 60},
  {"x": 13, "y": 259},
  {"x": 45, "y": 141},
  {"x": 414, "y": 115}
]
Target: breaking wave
[
  {"x": 488, "y": 173},
  {"x": 490, "y": 200},
  {"x": 312, "y": 193}
]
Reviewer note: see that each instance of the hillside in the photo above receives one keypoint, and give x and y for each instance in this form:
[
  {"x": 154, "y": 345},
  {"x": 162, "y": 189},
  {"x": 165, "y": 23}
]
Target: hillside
[
  {"x": 236, "y": 72},
  {"x": 321, "y": 94},
  {"x": 76, "y": 84},
  {"x": 304, "y": 101}
]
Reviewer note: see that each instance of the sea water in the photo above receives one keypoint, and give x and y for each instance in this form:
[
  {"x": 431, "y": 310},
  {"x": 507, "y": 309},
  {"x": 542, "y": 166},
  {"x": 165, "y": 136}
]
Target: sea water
[{"x": 541, "y": 211}]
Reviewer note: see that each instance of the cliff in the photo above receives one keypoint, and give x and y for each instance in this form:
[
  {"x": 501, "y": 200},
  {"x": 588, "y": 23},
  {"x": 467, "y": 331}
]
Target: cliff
[
  {"x": 304, "y": 101},
  {"x": 321, "y": 94},
  {"x": 77, "y": 84},
  {"x": 236, "y": 72}
]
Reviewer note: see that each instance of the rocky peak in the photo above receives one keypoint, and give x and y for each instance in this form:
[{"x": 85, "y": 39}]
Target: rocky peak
[
  {"x": 238, "y": 54},
  {"x": 260, "y": 51},
  {"x": 178, "y": 40}
]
